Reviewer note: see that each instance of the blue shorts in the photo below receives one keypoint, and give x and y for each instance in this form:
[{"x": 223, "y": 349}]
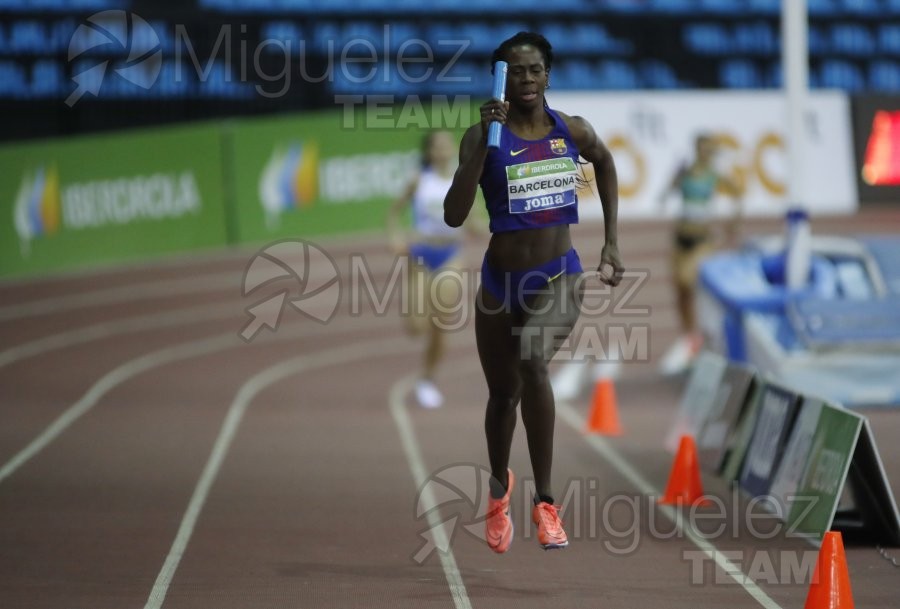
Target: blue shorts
[
  {"x": 433, "y": 257},
  {"x": 512, "y": 288}
]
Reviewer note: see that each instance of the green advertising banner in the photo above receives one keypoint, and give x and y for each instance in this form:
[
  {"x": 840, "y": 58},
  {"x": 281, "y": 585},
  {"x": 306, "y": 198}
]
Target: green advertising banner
[
  {"x": 819, "y": 490},
  {"x": 334, "y": 171},
  {"x": 109, "y": 198}
]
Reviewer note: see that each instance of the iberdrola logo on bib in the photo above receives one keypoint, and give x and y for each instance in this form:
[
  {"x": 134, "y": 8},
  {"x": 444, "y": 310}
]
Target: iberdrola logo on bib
[{"x": 541, "y": 185}]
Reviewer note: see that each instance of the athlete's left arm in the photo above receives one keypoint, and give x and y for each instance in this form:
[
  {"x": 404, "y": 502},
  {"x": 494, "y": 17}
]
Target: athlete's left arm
[{"x": 594, "y": 151}]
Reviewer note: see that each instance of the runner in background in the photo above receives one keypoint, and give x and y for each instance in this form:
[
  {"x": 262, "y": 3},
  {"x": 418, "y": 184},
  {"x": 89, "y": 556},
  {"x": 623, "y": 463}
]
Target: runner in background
[
  {"x": 694, "y": 238},
  {"x": 432, "y": 247}
]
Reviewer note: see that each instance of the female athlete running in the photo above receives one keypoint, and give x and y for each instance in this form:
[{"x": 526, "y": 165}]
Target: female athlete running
[
  {"x": 528, "y": 301},
  {"x": 432, "y": 247},
  {"x": 697, "y": 183}
]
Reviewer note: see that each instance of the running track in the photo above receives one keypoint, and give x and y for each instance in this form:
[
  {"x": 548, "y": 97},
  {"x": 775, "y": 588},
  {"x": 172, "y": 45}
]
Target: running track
[{"x": 151, "y": 458}]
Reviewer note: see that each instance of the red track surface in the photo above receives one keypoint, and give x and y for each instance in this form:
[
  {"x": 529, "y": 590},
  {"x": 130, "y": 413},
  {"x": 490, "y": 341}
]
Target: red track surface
[{"x": 291, "y": 486}]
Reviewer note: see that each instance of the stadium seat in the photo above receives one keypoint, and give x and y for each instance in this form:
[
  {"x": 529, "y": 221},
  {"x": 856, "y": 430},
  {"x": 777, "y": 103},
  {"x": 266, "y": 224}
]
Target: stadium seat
[
  {"x": 683, "y": 7},
  {"x": 481, "y": 36},
  {"x": 852, "y": 39},
  {"x": 723, "y": 7},
  {"x": 765, "y": 7},
  {"x": 739, "y": 74},
  {"x": 863, "y": 7},
  {"x": 889, "y": 39},
  {"x": 818, "y": 42},
  {"x": 658, "y": 75},
  {"x": 757, "y": 38},
  {"x": 823, "y": 7},
  {"x": 840, "y": 74},
  {"x": 884, "y": 76},
  {"x": 615, "y": 74},
  {"x": 708, "y": 39}
]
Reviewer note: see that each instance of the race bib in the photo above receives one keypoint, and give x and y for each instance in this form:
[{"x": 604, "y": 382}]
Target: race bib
[{"x": 541, "y": 185}]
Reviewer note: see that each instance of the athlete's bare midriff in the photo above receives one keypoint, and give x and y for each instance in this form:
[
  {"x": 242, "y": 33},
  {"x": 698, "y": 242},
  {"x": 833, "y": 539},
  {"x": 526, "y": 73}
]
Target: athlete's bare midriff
[{"x": 525, "y": 249}]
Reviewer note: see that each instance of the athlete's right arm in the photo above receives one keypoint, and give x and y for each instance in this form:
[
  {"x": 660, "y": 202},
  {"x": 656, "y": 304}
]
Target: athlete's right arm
[{"x": 461, "y": 195}]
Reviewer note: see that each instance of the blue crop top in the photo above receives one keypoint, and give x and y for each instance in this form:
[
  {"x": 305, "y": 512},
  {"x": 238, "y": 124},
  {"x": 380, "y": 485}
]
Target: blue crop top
[{"x": 531, "y": 183}]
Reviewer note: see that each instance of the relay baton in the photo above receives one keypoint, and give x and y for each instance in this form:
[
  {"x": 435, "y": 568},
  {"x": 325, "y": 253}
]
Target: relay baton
[{"x": 499, "y": 92}]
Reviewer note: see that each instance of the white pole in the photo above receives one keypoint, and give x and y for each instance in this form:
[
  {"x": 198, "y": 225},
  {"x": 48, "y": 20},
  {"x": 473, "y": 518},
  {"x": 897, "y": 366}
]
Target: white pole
[
  {"x": 795, "y": 67},
  {"x": 795, "y": 61}
]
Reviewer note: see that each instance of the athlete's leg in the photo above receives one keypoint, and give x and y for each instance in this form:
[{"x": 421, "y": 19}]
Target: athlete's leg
[
  {"x": 445, "y": 299},
  {"x": 498, "y": 352},
  {"x": 416, "y": 313},
  {"x": 549, "y": 320}
]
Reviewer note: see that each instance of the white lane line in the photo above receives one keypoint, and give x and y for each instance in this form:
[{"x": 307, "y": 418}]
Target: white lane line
[
  {"x": 148, "y": 361},
  {"x": 132, "y": 324},
  {"x": 420, "y": 476},
  {"x": 368, "y": 350},
  {"x": 109, "y": 329},
  {"x": 148, "y": 290},
  {"x": 122, "y": 294},
  {"x": 621, "y": 465}
]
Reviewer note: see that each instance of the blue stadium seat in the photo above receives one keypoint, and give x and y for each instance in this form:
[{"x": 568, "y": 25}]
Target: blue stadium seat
[
  {"x": 708, "y": 39},
  {"x": 852, "y": 39},
  {"x": 369, "y": 31},
  {"x": 840, "y": 74},
  {"x": 625, "y": 6},
  {"x": 892, "y": 7},
  {"x": 436, "y": 32},
  {"x": 402, "y": 32},
  {"x": 560, "y": 36},
  {"x": 725, "y": 7},
  {"x": 739, "y": 74},
  {"x": 507, "y": 29},
  {"x": 884, "y": 76},
  {"x": 615, "y": 74},
  {"x": 593, "y": 37},
  {"x": 757, "y": 38},
  {"x": 481, "y": 36},
  {"x": 823, "y": 7},
  {"x": 765, "y": 7},
  {"x": 889, "y": 39},
  {"x": 675, "y": 7},
  {"x": 325, "y": 34},
  {"x": 863, "y": 7},
  {"x": 658, "y": 75},
  {"x": 818, "y": 42},
  {"x": 574, "y": 74}
]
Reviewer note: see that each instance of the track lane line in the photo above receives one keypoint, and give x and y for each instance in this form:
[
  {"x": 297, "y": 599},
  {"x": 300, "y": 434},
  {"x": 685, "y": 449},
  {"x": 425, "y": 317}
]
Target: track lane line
[
  {"x": 613, "y": 457},
  {"x": 149, "y": 361},
  {"x": 396, "y": 400},
  {"x": 366, "y": 350},
  {"x": 147, "y": 290},
  {"x": 606, "y": 451}
]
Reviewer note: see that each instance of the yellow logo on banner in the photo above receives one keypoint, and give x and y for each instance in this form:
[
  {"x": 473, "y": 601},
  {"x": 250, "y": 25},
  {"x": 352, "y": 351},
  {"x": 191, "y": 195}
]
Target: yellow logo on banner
[
  {"x": 37, "y": 206},
  {"x": 290, "y": 178}
]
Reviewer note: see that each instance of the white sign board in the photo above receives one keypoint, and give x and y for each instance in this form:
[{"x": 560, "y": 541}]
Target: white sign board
[{"x": 651, "y": 135}]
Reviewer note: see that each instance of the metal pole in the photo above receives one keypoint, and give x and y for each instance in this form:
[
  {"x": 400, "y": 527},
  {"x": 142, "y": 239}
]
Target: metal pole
[{"x": 795, "y": 64}]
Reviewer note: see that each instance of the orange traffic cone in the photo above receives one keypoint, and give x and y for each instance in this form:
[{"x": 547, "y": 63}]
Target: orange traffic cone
[
  {"x": 604, "y": 417},
  {"x": 830, "y": 588},
  {"x": 684, "y": 484}
]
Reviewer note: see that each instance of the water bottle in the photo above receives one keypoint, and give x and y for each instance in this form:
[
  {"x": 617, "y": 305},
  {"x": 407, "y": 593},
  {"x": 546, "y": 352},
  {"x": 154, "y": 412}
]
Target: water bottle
[{"x": 799, "y": 249}]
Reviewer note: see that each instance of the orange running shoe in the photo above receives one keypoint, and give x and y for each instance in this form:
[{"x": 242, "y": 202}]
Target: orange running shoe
[
  {"x": 549, "y": 526},
  {"x": 498, "y": 526}
]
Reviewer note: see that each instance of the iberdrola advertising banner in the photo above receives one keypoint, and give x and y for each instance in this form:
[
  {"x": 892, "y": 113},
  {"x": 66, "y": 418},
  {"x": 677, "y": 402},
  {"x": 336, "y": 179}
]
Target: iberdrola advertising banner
[
  {"x": 92, "y": 200},
  {"x": 331, "y": 171}
]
